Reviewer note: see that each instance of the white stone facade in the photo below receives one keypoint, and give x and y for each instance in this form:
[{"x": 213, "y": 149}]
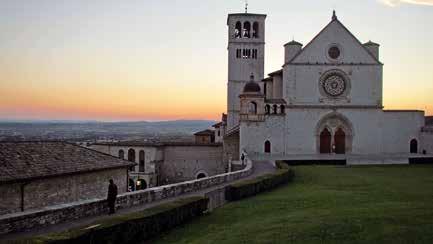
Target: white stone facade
[{"x": 326, "y": 99}]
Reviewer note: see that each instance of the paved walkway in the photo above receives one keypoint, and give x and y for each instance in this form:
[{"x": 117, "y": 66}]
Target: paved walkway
[{"x": 260, "y": 168}]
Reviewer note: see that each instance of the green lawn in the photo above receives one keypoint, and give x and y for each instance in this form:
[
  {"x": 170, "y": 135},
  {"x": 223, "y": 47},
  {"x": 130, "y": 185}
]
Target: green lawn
[{"x": 326, "y": 204}]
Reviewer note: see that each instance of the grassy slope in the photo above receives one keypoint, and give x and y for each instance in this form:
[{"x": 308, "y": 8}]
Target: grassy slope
[{"x": 326, "y": 204}]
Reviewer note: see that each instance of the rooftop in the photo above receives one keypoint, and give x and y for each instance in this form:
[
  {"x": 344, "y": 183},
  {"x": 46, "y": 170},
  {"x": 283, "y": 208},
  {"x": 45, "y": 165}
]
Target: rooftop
[{"x": 20, "y": 161}]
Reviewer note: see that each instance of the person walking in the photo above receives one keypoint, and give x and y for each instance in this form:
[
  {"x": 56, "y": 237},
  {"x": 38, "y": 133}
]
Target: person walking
[{"x": 111, "y": 197}]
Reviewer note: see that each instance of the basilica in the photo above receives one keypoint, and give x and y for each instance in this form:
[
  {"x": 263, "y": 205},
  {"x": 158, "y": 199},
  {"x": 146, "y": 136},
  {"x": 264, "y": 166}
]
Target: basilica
[{"x": 325, "y": 102}]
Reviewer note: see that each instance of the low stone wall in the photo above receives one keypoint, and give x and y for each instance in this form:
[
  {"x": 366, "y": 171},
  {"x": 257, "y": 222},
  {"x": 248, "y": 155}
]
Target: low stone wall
[{"x": 23, "y": 221}]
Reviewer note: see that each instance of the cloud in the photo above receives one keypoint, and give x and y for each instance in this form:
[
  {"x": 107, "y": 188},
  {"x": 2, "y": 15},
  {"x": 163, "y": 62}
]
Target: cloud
[{"x": 394, "y": 3}]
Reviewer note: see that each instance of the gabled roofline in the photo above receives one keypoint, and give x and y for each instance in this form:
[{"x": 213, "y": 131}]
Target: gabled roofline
[{"x": 345, "y": 28}]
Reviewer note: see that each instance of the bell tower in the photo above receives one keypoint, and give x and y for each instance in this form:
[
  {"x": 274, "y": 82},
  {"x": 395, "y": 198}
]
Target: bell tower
[{"x": 246, "y": 56}]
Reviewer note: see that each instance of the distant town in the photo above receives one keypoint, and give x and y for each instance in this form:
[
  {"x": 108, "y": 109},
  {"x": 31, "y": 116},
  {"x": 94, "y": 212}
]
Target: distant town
[{"x": 86, "y": 132}]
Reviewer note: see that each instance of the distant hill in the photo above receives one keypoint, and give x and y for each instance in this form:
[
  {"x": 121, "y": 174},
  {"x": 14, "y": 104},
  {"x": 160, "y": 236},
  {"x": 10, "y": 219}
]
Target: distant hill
[{"x": 94, "y": 129}]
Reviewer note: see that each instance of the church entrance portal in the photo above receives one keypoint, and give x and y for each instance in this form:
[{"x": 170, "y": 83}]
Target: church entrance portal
[
  {"x": 325, "y": 141},
  {"x": 334, "y": 134}
]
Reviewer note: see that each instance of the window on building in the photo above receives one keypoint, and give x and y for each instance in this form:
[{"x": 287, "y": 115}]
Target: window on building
[
  {"x": 131, "y": 155},
  {"x": 247, "y": 29},
  {"x": 252, "y": 109},
  {"x": 254, "y": 54},
  {"x": 238, "y": 30},
  {"x": 238, "y": 53},
  {"x": 267, "y": 147},
  {"x": 275, "y": 109},
  {"x": 267, "y": 109},
  {"x": 121, "y": 154},
  {"x": 256, "y": 30},
  {"x": 141, "y": 159},
  {"x": 219, "y": 133},
  {"x": 282, "y": 109}
]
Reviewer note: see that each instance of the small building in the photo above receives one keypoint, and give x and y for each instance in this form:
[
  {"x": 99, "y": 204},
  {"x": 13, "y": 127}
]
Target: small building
[
  {"x": 205, "y": 136},
  {"x": 34, "y": 175}
]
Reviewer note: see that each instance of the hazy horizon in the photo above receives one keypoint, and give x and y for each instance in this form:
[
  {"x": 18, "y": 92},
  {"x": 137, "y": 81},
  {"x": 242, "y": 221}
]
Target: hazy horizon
[{"x": 167, "y": 60}]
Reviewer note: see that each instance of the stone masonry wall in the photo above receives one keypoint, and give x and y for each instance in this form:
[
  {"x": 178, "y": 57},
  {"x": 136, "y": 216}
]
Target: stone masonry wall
[
  {"x": 59, "y": 190},
  {"x": 21, "y": 221},
  {"x": 185, "y": 163}
]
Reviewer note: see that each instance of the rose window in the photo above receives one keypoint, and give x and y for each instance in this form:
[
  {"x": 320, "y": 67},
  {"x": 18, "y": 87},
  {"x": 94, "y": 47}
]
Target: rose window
[{"x": 334, "y": 85}]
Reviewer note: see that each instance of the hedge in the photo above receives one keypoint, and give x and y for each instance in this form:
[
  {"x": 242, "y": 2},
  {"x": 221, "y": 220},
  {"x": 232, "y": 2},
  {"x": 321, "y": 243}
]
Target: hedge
[
  {"x": 263, "y": 183},
  {"x": 133, "y": 227}
]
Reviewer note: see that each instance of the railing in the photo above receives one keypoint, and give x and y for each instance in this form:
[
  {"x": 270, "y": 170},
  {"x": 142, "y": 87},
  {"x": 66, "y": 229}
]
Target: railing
[{"x": 16, "y": 222}]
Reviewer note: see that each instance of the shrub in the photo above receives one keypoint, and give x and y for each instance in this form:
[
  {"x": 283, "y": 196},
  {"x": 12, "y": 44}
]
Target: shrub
[
  {"x": 133, "y": 227},
  {"x": 263, "y": 183},
  {"x": 282, "y": 164}
]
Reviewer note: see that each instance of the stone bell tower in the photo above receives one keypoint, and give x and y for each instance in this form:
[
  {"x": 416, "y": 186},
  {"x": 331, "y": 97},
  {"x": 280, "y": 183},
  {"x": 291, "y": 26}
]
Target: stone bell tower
[{"x": 246, "y": 56}]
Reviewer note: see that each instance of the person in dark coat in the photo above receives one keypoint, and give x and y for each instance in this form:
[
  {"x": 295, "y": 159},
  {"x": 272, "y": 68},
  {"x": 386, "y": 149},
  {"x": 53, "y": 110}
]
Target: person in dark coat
[{"x": 112, "y": 195}]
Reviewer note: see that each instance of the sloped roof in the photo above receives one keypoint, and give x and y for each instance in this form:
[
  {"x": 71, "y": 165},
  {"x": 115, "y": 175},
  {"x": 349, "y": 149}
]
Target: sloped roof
[
  {"x": 335, "y": 19},
  {"x": 21, "y": 161},
  {"x": 205, "y": 133}
]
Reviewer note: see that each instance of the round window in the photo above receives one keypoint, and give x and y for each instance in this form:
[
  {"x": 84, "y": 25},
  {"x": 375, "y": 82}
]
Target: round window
[
  {"x": 334, "y": 85},
  {"x": 334, "y": 52}
]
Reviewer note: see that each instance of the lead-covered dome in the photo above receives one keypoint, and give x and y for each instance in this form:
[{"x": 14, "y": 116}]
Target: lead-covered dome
[{"x": 252, "y": 86}]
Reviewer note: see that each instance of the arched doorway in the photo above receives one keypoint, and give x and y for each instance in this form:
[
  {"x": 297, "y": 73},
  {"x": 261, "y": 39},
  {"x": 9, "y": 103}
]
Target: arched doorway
[
  {"x": 340, "y": 141},
  {"x": 141, "y": 184},
  {"x": 201, "y": 175},
  {"x": 325, "y": 141},
  {"x": 267, "y": 147},
  {"x": 413, "y": 146}
]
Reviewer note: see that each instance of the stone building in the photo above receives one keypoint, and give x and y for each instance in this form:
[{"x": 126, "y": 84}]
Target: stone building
[
  {"x": 160, "y": 163},
  {"x": 325, "y": 102},
  {"x": 34, "y": 175},
  {"x": 205, "y": 137}
]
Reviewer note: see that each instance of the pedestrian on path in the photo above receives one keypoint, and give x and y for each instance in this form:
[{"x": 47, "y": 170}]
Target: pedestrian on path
[{"x": 111, "y": 197}]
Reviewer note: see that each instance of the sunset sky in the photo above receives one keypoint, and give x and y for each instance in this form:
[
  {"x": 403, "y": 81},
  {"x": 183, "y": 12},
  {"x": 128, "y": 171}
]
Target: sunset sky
[{"x": 165, "y": 59}]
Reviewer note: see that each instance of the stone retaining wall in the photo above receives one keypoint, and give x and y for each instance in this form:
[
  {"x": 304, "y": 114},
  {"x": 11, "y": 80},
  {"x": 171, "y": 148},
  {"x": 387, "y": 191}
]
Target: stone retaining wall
[{"x": 23, "y": 221}]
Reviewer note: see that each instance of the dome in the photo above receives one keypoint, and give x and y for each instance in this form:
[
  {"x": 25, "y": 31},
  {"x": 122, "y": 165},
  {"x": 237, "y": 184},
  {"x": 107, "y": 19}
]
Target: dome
[{"x": 251, "y": 86}]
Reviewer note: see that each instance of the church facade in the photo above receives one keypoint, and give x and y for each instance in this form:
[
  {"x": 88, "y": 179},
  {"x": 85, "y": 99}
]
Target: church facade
[{"x": 325, "y": 100}]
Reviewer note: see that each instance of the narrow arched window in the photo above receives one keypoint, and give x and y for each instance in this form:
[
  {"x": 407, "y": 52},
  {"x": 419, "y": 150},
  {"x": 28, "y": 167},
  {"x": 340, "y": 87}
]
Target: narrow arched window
[
  {"x": 413, "y": 146},
  {"x": 268, "y": 109},
  {"x": 141, "y": 161},
  {"x": 238, "y": 30},
  {"x": 282, "y": 109},
  {"x": 256, "y": 30},
  {"x": 246, "y": 30},
  {"x": 252, "y": 108},
  {"x": 267, "y": 147},
  {"x": 121, "y": 154},
  {"x": 275, "y": 109},
  {"x": 131, "y": 155}
]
